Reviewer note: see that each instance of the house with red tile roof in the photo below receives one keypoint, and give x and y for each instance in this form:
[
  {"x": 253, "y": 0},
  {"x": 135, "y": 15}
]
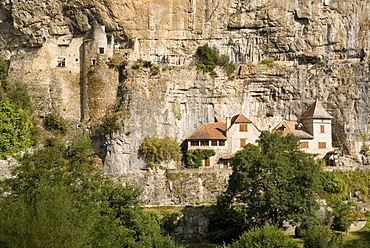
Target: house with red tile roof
[{"x": 228, "y": 135}]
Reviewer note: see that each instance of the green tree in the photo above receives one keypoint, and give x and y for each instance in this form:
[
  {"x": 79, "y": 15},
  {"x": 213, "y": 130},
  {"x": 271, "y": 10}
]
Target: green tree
[
  {"x": 343, "y": 215},
  {"x": 267, "y": 236},
  {"x": 60, "y": 199},
  {"x": 15, "y": 129},
  {"x": 209, "y": 57},
  {"x": 274, "y": 181}
]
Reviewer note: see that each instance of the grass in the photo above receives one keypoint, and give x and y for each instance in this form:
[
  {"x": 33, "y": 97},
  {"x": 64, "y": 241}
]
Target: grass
[{"x": 358, "y": 239}]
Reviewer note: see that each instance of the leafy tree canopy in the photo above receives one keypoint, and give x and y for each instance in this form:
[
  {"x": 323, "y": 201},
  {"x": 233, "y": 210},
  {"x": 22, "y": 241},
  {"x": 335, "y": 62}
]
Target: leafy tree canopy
[
  {"x": 15, "y": 111},
  {"x": 210, "y": 57},
  {"x": 156, "y": 150},
  {"x": 194, "y": 157},
  {"x": 59, "y": 199},
  {"x": 322, "y": 237},
  {"x": 15, "y": 128},
  {"x": 274, "y": 181},
  {"x": 267, "y": 236}
]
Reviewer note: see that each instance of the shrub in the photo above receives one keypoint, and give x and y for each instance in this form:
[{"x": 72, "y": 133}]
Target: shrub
[
  {"x": 147, "y": 64},
  {"x": 156, "y": 150},
  {"x": 15, "y": 129},
  {"x": 176, "y": 110},
  {"x": 18, "y": 94},
  {"x": 322, "y": 237},
  {"x": 155, "y": 70},
  {"x": 336, "y": 185},
  {"x": 110, "y": 125},
  {"x": 3, "y": 69},
  {"x": 194, "y": 157},
  {"x": 170, "y": 221},
  {"x": 91, "y": 71},
  {"x": 267, "y": 236},
  {"x": 269, "y": 62},
  {"x": 323, "y": 63},
  {"x": 210, "y": 57},
  {"x": 54, "y": 122}
]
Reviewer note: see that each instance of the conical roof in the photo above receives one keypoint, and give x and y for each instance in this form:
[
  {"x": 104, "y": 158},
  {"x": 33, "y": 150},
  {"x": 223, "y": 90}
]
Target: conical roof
[{"x": 316, "y": 111}]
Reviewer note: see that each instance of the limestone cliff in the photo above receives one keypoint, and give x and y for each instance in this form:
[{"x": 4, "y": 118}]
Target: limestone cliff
[{"x": 301, "y": 35}]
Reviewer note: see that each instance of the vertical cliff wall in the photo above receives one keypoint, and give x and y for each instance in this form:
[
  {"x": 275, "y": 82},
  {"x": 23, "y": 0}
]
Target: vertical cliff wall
[{"x": 320, "y": 48}]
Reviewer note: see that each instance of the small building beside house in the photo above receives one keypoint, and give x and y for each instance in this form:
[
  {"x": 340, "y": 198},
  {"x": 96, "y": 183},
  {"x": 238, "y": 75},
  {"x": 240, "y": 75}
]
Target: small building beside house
[{"x": 228, "y": 135}]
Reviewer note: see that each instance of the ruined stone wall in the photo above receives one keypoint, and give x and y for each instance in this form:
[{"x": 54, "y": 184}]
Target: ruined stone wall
[{"x": 178, "y": 186}]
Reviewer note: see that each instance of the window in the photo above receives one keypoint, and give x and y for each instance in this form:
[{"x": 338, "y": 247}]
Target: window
[
  {"x": 61, "y": 61},
  {"x": 322, "y": 129},
  {"x": 243, "y": 128},
  {"x": 221, "y": 143},
  {"x": 243, "y": 142},
  {"x": 226, "y": 164},
  {"x": 204, "y": 143},
  {"x": 214, "y": 143},
  {"x": 304, "y": 144},
  {"x": 207, "y": 162},
  {"x": 101, "y": 50},
  {"x": 322, "y": 145},
  {"x": 194, "y": 143},
  {"x": 93, "y": 61}
]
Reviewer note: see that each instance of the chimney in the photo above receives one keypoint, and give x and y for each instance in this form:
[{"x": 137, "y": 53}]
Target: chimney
[{"x": 228, "y": 122}]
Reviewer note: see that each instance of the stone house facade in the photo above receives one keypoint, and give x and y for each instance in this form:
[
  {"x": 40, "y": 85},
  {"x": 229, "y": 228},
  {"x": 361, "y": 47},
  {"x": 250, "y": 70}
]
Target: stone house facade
[{"x": 228, "y": 135}]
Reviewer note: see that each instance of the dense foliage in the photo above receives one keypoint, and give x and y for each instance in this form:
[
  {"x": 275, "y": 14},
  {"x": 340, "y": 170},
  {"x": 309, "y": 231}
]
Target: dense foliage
[
  {"x": 194, "y": 157},
  {"x": 322, "y": 237},
  {"x": 110, "y": 125},
  {"x": 156, "y": 150},
  {"x": 340, "y": 185},
  {"x": 3, "y": 70},
  {"x": 15, "y": 112},
  {"x": 54, "y": 122},
  {"x": 267, "y": 236},
  {"x": 59, "y": 199},
  {"x": 15, "y": 128},
  {"x": 273, "y": 181},
  {"x": 210, "y": 57}
]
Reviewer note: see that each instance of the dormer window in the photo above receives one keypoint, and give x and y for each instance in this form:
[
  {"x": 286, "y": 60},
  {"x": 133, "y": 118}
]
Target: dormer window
[
  {"x": 101, "y": 50},
  {"x": 61, "y": 61},
  {"x": 281, "y": 128}
]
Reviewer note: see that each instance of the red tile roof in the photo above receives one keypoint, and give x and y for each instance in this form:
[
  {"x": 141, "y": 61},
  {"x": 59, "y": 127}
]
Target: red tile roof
[
  {"x": 316, "y": 111},
  {"x": 240, "y": 119},
  {"x": 294, "y": 128},
  {"x": 210, "y": 131}
]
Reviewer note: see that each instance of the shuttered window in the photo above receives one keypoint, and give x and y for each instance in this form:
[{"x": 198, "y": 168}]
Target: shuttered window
[
  {"x": 322, "y": 129},
  {"x": 243, "y": 142},
  {"x": 322, "y": 145},
  {"x": 304, "y": 144},
  {"x": 243, "y": 128}
]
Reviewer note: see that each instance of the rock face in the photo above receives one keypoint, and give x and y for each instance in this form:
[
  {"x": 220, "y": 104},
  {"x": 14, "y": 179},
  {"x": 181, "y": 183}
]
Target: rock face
[{"x": 320, "y": 49}]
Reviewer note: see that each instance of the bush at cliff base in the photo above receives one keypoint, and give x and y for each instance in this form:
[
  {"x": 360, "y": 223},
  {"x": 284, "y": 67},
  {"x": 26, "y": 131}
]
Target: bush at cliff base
[
  {"x": 58, "y": 198},
  {"x": 15, "y": 129}
]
